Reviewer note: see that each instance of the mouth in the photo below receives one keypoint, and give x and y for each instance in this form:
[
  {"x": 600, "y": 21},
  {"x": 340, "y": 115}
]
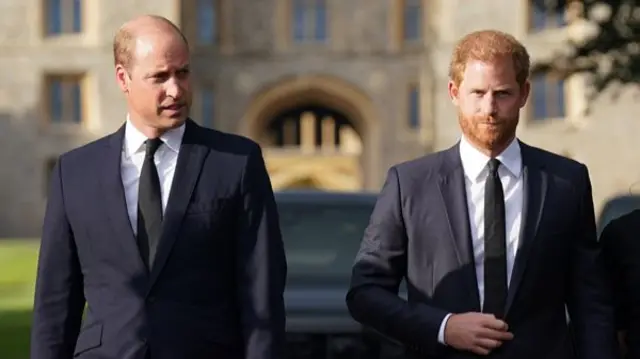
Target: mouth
[{"x": 175, "y": 107}]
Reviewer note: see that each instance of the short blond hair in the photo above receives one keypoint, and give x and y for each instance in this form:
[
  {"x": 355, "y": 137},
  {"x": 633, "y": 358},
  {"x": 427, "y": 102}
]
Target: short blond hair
[
  {"x": 124, "y": 40},
  {"x": 489, "y": 45}
]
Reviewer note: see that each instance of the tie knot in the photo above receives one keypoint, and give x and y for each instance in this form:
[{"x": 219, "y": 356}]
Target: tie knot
[
  {"x": 152, "y": 145},
  {"x": 493, "y": 166}
]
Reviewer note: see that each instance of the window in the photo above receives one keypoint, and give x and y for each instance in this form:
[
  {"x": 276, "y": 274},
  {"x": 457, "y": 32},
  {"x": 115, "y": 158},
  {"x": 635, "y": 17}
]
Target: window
[
  {"x": 414, "y": 107},
  {"x": 412, "y": 20},
  {"x": 546, "y": 14},
  {"x": 207, "y": 14},
  {"x": 63, "y": 16},
  {"x": 63, "y": 99},
  {"x": 206, "y": 109},
  {"x": 309, "y": 20},
  {"x": 547, "y": 97}
]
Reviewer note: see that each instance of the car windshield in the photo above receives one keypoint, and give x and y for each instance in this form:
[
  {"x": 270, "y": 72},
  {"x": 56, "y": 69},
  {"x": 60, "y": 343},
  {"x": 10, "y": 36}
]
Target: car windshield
[{"x": 322, "y": 239}]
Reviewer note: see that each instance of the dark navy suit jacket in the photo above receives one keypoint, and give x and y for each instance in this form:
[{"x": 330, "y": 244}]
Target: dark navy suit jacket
[
  {"x": 419, "y": 231},
  {"x": 216, "y": 288},
  {"x": 621, "y": 248}
]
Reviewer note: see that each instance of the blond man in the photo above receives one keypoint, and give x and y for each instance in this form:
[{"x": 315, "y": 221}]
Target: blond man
[
  {"x": 492, "y": 236},
  {"x": 165, "y": 231}
]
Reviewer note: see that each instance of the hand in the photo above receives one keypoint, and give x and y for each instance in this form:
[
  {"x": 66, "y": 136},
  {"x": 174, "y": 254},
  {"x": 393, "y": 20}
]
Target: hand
[{"x": 476, "y": 332}]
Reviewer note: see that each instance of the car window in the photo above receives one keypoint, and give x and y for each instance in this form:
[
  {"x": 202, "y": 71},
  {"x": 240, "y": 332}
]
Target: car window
[{"x": 322, "y": 239}]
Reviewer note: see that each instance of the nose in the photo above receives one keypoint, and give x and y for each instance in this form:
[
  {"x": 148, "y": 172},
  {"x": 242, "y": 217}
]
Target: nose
[
  {"x": 489, "y": 104},
  {"x": 173, "y": 88}
]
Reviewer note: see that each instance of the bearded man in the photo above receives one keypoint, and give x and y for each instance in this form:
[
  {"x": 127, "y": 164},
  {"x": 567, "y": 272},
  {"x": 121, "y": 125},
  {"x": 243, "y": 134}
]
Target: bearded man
[{"x": 493, "y": 237}]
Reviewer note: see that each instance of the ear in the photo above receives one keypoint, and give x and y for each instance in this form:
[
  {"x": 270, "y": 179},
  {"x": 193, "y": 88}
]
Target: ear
[
  {"x": 123, "y": 78},
  {"x": 525, "y": 90},
  {"x": 453, "y": 92}
]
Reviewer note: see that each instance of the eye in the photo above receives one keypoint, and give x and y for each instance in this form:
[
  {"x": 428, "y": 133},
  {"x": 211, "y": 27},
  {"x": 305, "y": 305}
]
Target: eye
[
  {"x": 183, "y": 73},
  {"x": 159, "y": 77}
]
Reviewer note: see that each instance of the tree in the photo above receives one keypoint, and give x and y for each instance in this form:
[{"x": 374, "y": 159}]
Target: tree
[{"x": 609, "y": 46}]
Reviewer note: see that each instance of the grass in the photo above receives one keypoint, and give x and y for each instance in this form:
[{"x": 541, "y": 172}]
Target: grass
[{"x": 18, "y": 260}]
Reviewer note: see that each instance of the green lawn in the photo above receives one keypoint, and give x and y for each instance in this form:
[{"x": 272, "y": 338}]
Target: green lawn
[{"x": 17, "y": 275}]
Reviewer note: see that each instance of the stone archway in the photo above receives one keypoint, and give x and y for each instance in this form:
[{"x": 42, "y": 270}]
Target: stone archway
[{"x": 328, "y": 171}]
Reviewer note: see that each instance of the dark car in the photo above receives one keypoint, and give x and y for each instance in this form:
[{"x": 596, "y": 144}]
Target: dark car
[
  {"x": 617, "y": 207},
  {"x": 322, "y": 232}
]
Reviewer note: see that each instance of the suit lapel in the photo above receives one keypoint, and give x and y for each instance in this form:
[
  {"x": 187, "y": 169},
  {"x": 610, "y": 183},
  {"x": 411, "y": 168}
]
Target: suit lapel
[
  {"x": 535, "y": 191},
  {"x": 115, "y": 200},
  {"x": 190, "y": 160},
  {"x": 452, "y": 188}
]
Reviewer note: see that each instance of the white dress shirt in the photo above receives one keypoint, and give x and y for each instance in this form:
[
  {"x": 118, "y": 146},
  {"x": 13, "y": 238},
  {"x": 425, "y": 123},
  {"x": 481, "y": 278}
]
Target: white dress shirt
[
  {"x": 165, "y": 158},
  {"x": 474, "y": 164}
]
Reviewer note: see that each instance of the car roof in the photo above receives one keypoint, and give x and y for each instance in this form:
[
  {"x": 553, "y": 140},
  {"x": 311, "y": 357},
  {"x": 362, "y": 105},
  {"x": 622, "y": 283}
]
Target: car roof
[
  {"x": 616, "y": 207},
  {"x": 623, "y": 199}
]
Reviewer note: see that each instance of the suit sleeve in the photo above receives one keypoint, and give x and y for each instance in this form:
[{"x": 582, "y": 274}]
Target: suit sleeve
[
  {"x": 261, "y": 264},
  {"x": 589, "y": 297},
  {"x": 59, "y": 299},
  {"x": 379, "y": 268},
  {"x": 614, "y": 252}
]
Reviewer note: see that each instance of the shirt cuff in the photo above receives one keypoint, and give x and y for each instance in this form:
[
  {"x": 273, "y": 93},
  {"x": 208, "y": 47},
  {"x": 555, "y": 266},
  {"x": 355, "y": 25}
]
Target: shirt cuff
[{"x": 441, "y": 331}]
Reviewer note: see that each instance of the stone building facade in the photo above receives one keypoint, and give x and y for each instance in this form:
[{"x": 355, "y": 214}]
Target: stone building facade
[{"x": 336, "y": 91}]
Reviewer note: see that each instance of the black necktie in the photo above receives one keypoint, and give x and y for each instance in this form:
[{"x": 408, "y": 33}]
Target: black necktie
[
  {"x": 149, "y": 205},
  {"x": 495, "y": 253}
]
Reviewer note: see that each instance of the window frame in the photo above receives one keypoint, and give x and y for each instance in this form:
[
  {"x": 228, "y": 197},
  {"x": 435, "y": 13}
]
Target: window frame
[
  {"x": 62, "y": 23},
  {"x": 310, "y": 10},
  {"x": 74, "y": 114},
  {"x": 552, "y": 111}
]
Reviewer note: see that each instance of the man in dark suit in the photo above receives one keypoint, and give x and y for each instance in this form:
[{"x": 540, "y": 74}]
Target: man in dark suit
[
  {"x": 492, "y": 236},
  {"x": 621, "y": 249},
  {"x": 167, "y": 231}
]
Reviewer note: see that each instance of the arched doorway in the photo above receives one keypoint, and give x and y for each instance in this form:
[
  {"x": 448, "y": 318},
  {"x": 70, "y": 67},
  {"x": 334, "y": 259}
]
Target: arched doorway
[
  {"x": 313, "y": 146},
  {"x": 316, "y": 132},
  {"x": 310, "y": 128}
]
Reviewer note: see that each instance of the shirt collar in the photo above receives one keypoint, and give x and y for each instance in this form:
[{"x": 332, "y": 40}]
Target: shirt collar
[
  {"x": 474, "y": 162},
  {"x": 134, "y": 139}
]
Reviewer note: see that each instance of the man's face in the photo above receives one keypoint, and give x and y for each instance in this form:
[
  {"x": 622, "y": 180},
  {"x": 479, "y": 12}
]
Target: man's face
[
  {"x": 489, "y": 100},
  {"x": 158, "y": 84}
]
